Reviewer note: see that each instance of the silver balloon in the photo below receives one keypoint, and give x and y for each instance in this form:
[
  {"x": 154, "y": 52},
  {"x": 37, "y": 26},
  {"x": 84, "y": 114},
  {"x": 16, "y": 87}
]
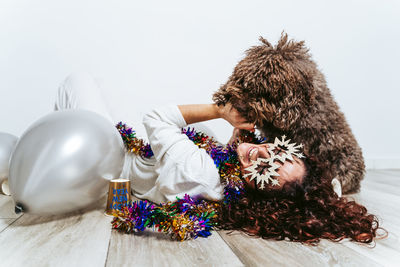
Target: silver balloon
[
  {"x": 7, "y": 145},
  {"x": 64, "y": 162}
]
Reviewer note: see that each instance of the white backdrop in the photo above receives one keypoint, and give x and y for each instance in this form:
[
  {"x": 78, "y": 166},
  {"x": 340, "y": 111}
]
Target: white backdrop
[{"x": 147, "y": 53}]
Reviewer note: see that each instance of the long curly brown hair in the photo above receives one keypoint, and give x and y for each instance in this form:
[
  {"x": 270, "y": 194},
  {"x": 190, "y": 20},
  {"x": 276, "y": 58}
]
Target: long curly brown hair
[{"x": 300, "y": 211}]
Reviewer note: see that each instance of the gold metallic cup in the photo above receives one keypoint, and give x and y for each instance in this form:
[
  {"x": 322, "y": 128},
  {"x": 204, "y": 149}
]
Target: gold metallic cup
[{"x": 118, "y": 195}]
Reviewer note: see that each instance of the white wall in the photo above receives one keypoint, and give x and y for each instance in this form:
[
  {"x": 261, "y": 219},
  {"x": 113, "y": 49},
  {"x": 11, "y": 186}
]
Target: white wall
[{"x": 146, "y": 53}]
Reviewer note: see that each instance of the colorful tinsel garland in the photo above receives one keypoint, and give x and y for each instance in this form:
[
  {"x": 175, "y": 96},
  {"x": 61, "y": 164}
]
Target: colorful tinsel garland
[{"x": 188, "y": 217}]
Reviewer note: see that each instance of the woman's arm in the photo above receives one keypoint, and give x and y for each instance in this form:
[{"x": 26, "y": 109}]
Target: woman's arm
[
  {"x": 163, "y": 126},
  {"x": 203, "y": 112}
]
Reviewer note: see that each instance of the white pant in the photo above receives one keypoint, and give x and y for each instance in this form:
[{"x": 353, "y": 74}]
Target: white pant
[{"x": 81, "y": 91}]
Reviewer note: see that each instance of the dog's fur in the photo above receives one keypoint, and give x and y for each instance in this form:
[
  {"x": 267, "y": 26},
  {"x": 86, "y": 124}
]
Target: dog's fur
[{"x": 281, "y": 90}]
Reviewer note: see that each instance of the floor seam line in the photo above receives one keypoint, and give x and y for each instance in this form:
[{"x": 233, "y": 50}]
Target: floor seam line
[
  {"x": 16, "y": 219},
  {"x": 231, "y": 248},
  {"x": 108, "y": 249}
]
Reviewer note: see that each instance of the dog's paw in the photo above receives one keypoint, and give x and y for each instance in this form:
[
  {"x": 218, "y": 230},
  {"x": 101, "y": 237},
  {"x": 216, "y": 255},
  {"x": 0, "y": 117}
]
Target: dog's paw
[{"x": 337, "y": 187}]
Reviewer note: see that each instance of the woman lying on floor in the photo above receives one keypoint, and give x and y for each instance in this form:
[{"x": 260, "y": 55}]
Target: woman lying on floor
[{"x": 282, "y": 196}]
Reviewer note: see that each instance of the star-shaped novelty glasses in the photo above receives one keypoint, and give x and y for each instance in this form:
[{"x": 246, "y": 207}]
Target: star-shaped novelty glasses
[{"x": 263, "y": 169}]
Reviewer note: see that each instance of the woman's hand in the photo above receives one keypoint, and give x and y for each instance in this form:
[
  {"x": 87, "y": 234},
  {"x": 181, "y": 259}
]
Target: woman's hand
[
  {"x": 235, "y": 135},
  {"x": 231, "y": 115}
]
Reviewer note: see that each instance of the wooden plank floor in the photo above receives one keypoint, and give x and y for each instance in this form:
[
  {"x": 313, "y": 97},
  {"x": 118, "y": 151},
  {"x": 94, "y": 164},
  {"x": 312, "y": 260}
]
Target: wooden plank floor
[{"x": 85, "y": 239}]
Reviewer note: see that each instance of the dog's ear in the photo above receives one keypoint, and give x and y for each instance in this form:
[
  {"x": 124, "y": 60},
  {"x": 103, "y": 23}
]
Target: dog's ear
[
  {"x": 286, "y": 104},
  {"x": 222, "y": 96},
  {"x": 293, "y": 106},
  {"x": 238, "y": 98}
]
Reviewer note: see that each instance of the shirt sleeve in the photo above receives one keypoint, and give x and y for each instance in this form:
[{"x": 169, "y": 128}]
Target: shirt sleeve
[{"x": 184, "y": 167}]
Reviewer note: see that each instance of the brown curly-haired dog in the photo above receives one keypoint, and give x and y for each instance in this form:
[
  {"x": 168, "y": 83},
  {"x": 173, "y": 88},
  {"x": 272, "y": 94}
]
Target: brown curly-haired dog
[{"x": 281, "y": 89}]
